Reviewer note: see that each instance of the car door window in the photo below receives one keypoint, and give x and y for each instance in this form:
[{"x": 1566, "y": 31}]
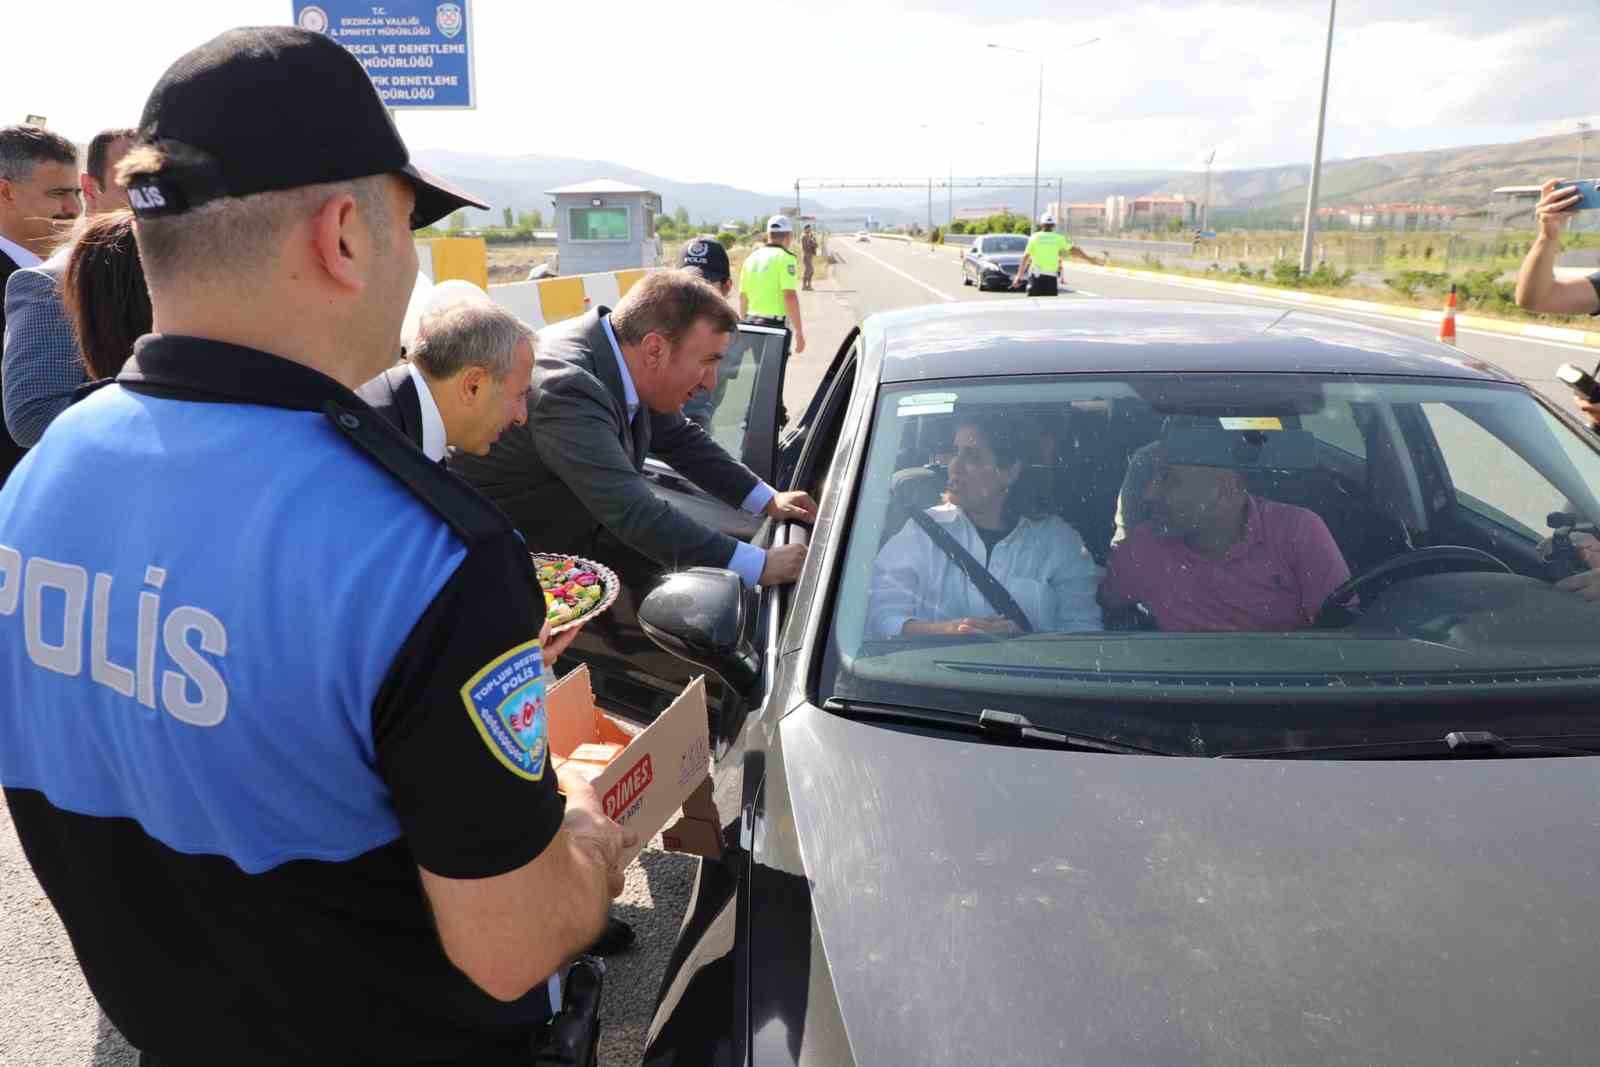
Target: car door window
[
  {"x": 1491, "y": 480},
  {"x": 735, "y": 413}
]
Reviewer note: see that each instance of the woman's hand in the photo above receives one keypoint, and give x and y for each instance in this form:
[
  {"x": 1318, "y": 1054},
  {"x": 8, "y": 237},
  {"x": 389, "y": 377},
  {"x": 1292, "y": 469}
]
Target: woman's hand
[{"x": 974, "y": 624}]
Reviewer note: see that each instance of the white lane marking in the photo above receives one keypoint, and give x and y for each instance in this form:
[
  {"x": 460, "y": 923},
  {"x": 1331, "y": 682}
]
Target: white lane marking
[
  {"x": 896, "y": 270},
  {"x": 1299, "y": 301}
]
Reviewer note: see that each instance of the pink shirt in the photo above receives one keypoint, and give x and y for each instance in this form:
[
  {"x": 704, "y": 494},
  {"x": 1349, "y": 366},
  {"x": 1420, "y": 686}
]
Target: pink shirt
[{"x": 1275, "y": 578}]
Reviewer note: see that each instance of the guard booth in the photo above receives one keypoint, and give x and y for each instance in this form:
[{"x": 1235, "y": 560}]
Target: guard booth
[{"x": 605, "y": 225}]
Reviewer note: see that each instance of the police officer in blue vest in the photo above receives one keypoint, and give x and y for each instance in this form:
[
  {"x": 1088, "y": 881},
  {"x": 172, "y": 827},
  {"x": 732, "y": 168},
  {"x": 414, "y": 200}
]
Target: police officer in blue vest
[{"x": 272, "y": 728}]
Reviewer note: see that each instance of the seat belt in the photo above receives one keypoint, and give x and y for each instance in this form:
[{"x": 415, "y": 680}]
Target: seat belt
[{"x": 976, "y": 573}]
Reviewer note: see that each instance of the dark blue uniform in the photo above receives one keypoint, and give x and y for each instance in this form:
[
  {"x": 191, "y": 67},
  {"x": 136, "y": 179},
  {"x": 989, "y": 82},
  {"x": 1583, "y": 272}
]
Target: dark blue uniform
[{"x": 260, "y": 660}]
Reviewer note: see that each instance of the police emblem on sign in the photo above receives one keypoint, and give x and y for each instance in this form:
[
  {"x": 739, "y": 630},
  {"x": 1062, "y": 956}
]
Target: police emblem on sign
[
  {"x": 505, "y": 701},
  {"x": 449, "y": 19},
  {"x": 313, "y": 18}
]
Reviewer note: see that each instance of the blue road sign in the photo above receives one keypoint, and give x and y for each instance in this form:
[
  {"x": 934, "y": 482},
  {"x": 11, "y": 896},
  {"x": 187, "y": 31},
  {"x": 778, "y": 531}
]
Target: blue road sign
[{"x": 417, "y": 52}]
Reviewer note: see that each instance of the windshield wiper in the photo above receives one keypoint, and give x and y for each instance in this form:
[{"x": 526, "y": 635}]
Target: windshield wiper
[
  {"x": 1003, "y": 725},
  {"x": 1457, "y": 743}
]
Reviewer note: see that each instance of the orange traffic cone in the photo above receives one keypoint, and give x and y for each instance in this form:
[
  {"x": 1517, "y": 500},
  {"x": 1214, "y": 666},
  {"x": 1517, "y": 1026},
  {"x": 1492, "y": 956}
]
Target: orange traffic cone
[{"x": 1447, "y": 325}]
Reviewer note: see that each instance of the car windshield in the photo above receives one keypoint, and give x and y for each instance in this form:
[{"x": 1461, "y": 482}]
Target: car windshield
[
  {"x": 1222, "y": 562},
  {"x": 994, "y": 245}
]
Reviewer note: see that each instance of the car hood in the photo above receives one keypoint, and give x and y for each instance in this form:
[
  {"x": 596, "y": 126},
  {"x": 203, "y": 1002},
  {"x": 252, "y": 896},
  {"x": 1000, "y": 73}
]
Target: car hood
[{"x": 976, "y": 900}]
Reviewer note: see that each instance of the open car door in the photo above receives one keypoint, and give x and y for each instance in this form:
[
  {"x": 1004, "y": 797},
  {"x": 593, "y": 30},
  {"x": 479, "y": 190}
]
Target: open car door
[{"x": 631, "y": 676}]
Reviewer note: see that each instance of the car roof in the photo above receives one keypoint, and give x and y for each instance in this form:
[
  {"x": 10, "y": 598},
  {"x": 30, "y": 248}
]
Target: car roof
[{"x": 968, "y": 339}]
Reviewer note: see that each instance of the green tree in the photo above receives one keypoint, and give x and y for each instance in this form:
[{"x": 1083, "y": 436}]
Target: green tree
[
  {"x": 510, "y": 223},
  {"x": 458, "y": 222},
  {"x": 536, "y": 219},
  {"x": 681, "y": 217},
  {"x": 726, "y": 239}
]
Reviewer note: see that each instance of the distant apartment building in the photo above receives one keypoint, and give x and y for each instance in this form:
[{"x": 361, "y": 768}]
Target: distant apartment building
[
  {"x": 1156, "y": 211},
  {"x": 978, "y": 214},
  {"x": 1078, "y": 218},
  {"x": 1116, "y": 216},
  {"x": 1399, "y": 217},
  {"x": 1149, "y": 212}
]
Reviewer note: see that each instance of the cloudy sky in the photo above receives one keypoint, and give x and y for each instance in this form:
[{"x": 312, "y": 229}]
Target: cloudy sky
[{"x": 754, "y": 94}]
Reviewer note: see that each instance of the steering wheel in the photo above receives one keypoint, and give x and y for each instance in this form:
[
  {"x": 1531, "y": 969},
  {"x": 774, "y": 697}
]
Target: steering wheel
[{"x": 1370, "y": 583}]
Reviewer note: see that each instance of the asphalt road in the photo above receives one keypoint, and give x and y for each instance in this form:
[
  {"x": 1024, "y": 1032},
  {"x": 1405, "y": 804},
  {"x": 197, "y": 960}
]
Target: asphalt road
[{"x": 882, "y": 275}]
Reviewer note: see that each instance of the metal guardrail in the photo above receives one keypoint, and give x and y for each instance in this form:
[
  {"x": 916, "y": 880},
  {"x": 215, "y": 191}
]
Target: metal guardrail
[{"x": 1122, "y": 244}]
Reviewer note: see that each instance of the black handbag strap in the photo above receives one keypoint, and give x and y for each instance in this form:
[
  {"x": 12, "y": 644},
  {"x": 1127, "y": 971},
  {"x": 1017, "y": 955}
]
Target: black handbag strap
[{"x": 976, "y": 573}]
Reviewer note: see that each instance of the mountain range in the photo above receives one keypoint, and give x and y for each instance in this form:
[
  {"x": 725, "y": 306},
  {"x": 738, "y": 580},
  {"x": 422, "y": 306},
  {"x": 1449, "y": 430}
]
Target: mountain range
[{"x": 1462, "y": 177}]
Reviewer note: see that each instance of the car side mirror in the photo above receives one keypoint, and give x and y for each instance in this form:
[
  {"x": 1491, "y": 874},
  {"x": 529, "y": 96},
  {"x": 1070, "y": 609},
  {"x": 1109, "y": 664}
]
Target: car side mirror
[{"x": 699, "y": 615}]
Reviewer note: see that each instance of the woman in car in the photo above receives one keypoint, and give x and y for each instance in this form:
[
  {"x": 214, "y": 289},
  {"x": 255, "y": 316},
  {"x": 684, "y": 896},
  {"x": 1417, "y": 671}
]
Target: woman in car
[{"x": 919, "y": 588}]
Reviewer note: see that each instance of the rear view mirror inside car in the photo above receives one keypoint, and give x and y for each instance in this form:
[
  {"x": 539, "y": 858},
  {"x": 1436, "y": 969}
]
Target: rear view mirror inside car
[
  {"x": 1245, "y": 448},
  {"x": 1227, "y": 394}
]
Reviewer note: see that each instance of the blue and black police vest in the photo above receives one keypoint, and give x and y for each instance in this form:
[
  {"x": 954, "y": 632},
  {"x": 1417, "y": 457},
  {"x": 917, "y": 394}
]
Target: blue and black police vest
[{"x": 171, "y": 579}]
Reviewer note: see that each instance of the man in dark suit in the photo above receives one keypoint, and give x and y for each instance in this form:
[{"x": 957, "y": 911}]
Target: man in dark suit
[
  {"x": 466, "y": 382},
  {"x": 609, "y": 389},
  {"x": 38, "y": 188}
]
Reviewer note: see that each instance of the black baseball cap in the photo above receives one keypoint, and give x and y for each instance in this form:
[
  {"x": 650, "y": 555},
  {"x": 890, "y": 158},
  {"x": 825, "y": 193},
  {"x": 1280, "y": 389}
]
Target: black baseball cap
[
  {"x": 263, "y": 108},
  {"x": 707, "y": 256}
]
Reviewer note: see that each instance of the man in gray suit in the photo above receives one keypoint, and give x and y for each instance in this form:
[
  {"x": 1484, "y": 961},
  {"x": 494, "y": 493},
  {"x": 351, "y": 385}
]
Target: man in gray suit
[
  {"x": 608, "y": 390},
  {"x": 41, "y": 366}
]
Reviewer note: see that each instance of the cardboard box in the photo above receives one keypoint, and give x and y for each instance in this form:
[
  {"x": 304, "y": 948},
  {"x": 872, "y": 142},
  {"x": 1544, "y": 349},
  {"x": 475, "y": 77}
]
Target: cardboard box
[
  {"x": 699, "y": 830},
  {"x": 642, "y": 780}
]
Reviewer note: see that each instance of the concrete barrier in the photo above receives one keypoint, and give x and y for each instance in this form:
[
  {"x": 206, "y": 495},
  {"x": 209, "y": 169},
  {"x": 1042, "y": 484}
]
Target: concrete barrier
[
  {"x": 548, "y": 300},
  {"x": 466, "y": 258},
  {"x": 538, "y": 303}
]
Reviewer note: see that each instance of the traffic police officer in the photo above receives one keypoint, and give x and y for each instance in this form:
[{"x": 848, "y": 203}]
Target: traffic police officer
[
  {"x": 767, "y": 285},
  {"x": 272, "y": 730},
  {"x": 1043, "y": 256}
]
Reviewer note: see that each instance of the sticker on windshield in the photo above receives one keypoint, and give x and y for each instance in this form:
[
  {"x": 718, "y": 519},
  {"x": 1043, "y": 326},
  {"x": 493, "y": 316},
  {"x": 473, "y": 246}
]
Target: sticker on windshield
[
  {"x": 1252, "y": 422},
  {"x": 926, "y": 404}
]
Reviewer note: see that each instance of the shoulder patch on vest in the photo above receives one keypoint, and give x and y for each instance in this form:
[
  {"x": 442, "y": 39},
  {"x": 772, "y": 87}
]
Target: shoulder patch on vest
[
  {"x": 505, "y": 701},
  {"x": 473, "y": 517}
]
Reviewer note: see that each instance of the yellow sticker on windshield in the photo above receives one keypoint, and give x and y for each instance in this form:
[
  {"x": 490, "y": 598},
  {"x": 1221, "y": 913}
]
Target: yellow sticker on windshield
[{"x": 1252, "y": 422}]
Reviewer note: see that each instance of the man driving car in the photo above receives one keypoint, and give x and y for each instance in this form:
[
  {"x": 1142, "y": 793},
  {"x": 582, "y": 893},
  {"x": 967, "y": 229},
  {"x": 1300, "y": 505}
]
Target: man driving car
[{"x": 1213, "y": 557}]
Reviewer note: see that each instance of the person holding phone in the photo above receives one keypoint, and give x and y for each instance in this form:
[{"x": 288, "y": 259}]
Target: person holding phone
[{"x": 1538, "y": 288}]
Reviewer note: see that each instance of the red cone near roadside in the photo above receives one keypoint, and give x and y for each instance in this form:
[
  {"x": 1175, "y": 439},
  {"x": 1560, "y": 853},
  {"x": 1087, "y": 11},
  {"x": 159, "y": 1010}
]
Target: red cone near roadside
[{"x": 1447, "y": 325}]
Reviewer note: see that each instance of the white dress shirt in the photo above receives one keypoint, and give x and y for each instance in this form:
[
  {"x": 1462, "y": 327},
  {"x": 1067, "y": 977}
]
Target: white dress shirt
[
  {"x": 433, "y": 435},
  {"x": 19, "y": 255}
]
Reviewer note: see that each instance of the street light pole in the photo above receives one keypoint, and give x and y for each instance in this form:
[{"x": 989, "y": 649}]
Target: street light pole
[
  {"x": 1038, "y": 139},
  {"x": 1316, "y": 156},
  {"x": 1038, "y": 128},
  {"x": 1205, "y": 209}
]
